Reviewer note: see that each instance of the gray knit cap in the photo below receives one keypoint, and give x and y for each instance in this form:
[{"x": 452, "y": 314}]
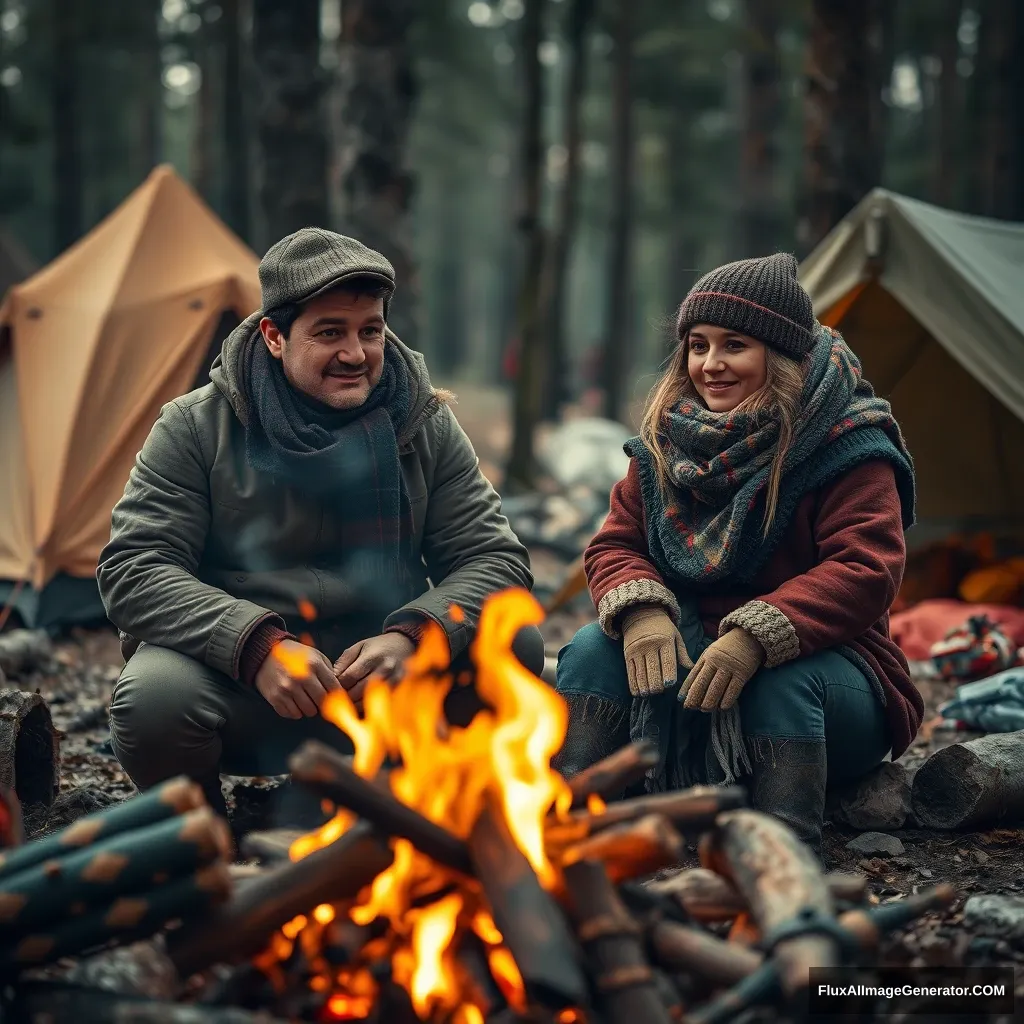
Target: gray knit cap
[
  {"x": 315, "y": 260},
  {"x": 759, "y": 297}
]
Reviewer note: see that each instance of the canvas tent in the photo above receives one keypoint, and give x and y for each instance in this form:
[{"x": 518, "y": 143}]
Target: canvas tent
[
  {"x": 90, "y": 348},
  {"x": 933, "y": 304}
]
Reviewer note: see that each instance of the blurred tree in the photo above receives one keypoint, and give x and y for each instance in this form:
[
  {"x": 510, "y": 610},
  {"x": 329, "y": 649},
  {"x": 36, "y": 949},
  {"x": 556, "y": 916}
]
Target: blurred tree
[
  {"x": 1001, "y": 65},
  {"x": 235, "y": 119},
  {"x": 948, "y": 120},
  {"x": 145, "y": 30},
  {"x": 554, "y": 289},
  {"x": 290, "y": 116},
  {"x": 521, "y": 469},
  {"x": 207, "y": 122},
  {"x": 848, "y": 61},
  {"x": 66, "y": 28},
  {"x": 615, "y": 358},
  {"x": 376, "y": 90},
  {"x": 761, "y": 210}
]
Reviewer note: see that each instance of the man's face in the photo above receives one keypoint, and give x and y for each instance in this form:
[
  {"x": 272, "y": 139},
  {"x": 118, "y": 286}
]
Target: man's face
[{"x": 334, "y": 352}]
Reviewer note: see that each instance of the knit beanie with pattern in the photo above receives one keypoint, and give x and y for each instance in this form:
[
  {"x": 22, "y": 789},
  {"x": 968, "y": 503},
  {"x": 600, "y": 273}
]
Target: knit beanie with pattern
[
  {"x": 314, "y": 260},
  {"x": 760, "y": 297}
]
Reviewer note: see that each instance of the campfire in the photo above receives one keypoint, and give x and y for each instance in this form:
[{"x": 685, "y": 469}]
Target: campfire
[{"x": 458, "y": 879}]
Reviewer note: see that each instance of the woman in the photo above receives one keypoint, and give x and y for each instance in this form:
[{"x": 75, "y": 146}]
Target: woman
[{"x": 744, "y": 574}]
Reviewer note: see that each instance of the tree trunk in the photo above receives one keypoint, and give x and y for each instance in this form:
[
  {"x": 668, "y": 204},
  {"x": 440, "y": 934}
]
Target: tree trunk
[
  {"x": 618, "y": 330},
  {"x": 760, "y": 212},
  {"x": 555, "y": 285},
  {"x": 203, "y": 138},
  {"x": 527, "y": 400},
  {"x": 237, "y": 184},
  {"x": 292, "y": 142},
  {"x": 377, "y": 88},
  {"x": 1000, "y": 63},
  {"x": 66, "y": 127},
  {"x": 946, "y": 117},
  {"x": 844, "y": 141},
  {"x": 151, "y": 87}
]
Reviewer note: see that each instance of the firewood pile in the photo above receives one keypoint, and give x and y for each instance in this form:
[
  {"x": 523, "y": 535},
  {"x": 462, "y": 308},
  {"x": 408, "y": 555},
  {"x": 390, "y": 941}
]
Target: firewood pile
[{"x": 459, "y": 880}]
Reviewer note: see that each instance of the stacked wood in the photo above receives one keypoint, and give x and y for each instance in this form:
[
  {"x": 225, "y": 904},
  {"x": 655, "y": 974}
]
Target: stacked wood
[{"x": 113, "y": 877}]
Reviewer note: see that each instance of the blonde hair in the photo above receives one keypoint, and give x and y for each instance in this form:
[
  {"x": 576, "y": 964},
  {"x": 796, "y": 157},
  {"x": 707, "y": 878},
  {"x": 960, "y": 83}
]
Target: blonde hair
[{"x": 780, "y": 393}]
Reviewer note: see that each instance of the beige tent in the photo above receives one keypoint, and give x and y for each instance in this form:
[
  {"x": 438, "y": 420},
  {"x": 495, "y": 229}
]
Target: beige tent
[
  {"x": 933, "y": 304},
  {"x": 96, "y": 343}
]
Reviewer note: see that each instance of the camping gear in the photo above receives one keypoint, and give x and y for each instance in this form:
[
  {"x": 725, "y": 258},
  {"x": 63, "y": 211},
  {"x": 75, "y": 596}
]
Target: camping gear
[
  {"x": 918, "y": 628},
  {"x": 995, "y": 704},
  {"x": 931, "y": 302},
  {"x": 91, "y": 347},
  {"x": 974, "y": 650}
]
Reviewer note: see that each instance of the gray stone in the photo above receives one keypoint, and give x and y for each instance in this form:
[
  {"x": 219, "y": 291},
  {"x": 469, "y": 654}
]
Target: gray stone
[
  {"x": 879, "y": 801},
  {"x": 876, "y": 844},
  {"x": 998, "y": 916}
]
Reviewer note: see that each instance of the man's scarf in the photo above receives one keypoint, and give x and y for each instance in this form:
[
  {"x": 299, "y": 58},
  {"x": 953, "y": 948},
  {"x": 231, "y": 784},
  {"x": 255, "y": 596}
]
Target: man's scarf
[
  {"x": 709, "y": 533},
  {"x": 346, "y": 458}
]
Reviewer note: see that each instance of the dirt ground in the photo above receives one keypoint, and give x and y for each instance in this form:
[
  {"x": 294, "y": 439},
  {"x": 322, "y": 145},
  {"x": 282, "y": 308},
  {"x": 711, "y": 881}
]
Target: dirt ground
[{"x": 88, "y": 663}]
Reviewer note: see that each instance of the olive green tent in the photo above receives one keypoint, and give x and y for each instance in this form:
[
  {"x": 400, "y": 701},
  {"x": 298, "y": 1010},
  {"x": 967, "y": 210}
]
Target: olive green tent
[{"x": 933, "y": 304}]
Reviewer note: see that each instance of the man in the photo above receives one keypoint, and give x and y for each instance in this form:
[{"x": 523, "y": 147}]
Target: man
[{"x": 278, "y": 530}]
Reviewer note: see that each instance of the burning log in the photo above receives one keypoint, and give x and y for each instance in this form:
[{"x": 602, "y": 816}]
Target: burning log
[
  {"x": 611, "y": 775},
  {"x": 269, "y": 846},
  {"x": 623, "y": 979},
  {"x": 631, "y": 849},
  {"x": 327, "y": 773},
  {"x": 783, "y": 887},
  {"x": 970, "y": 784},
  {"x": 243, "y": 925},
  {"x": 128, "y": 864},
  {"x": 706, "y": 896},
  {"x": 679, "y": 947},
  {"x": 177, "y": 796},
  {"x": 126, "y": 918},
  {"x": 29, "y": 748},
  {"x": 690, "y": 809},
  {"x": 531, "y": 924}
]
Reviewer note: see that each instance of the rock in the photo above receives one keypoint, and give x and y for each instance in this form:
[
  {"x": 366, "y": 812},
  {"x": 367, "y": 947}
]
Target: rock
[
  {"x": 876, "y": 844},
  {"x": 998, "y": 916},
  {"x": 981, "y": 857},
  {"x": 587, "y": 451},
  {"x": 877, "y": 802},
  {"x": 24, "y": 650}
]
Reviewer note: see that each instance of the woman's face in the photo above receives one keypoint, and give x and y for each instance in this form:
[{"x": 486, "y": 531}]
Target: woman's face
[{"x": 725, "y": 366}]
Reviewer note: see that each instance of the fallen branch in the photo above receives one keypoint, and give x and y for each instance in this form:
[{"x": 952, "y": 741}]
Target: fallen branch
[
  {"x": 970, "y": 784},
  {"x": 623, "y": 978},
  {"x": 243, "y": 926},
  {"x": 530, "y": 922},
  {"x": 326, "y": 772},
  {"x": 869, "y": 926},
  {"x": 631, "y": 849},
  {"x": 691, "y": 949},
  {"x": 611, "y": 775},
  {"x": 29, "y": 748}
]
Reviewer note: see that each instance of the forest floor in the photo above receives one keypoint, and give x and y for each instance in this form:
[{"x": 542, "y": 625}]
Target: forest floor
[{"x": 88, "y": 662}]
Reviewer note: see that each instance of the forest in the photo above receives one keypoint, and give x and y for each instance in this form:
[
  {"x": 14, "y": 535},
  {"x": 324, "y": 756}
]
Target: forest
[{"x": 548, "y": 176}]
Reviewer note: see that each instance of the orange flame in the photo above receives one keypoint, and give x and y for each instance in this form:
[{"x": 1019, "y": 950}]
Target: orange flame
[
  {"x": 307, "y": 609},
  {"x": 447, "y": 773}
]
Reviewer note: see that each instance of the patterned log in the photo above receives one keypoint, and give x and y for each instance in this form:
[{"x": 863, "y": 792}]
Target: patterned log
[
  {"x": 781, "y": 883},
  {"x": 532, "y": 925},
  {"x": 126, "y": 919},
  {"x": 243, "y": 926},
  {"x": 131, "y": 862},
  {"x": 29, "y": 748},
  {"x": 627, "y": 992},
  {"x": 611, "y": 775},
  {"x": 173, "y": 797}
]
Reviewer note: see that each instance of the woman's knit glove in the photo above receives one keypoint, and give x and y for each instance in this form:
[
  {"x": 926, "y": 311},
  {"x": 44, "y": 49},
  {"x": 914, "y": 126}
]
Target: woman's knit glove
[
  {"x": 653, "y": 648},
  {"x": 721, "y": 672}
]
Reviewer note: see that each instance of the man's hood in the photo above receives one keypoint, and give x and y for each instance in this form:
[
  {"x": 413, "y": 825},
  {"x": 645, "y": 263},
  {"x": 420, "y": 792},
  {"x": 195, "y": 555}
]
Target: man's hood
[{"x": 226, "y": 374}]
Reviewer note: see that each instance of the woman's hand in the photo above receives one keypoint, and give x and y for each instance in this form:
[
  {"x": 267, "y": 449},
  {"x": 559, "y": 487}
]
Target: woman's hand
[
  {"x": 722, "y": 671},
  {"x": 653, "y": 649}
]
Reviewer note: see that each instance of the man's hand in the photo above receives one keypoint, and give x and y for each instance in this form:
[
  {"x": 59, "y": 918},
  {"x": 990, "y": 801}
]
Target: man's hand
[
  {"x": 295, "y": 678},
  {"x": 379, "y": 655}
]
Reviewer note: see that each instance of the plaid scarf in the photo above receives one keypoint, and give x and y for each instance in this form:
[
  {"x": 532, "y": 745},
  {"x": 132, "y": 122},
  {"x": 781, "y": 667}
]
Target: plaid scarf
[
  {"x": 346, "y": 458},
  {"x": 710, "y": 531}
]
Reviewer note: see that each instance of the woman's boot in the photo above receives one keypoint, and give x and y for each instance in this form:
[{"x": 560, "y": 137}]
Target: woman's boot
[
  {"x": 788, "y": 781},
  {"x": 597, "y": 727}
]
